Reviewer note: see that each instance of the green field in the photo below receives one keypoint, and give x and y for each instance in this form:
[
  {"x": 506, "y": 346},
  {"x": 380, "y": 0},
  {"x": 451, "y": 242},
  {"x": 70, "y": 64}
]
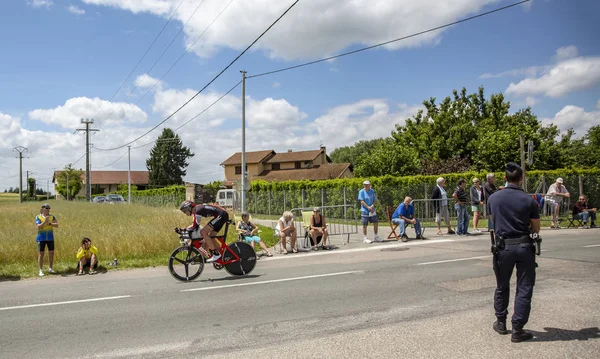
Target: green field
[{"x": 139, "y": 236}]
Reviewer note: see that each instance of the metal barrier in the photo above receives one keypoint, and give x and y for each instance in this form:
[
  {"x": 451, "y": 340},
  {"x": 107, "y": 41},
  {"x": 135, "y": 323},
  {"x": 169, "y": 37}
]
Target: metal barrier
[
  {"x": 425, "y": 211},
  {"x": 341, "y": 221}
]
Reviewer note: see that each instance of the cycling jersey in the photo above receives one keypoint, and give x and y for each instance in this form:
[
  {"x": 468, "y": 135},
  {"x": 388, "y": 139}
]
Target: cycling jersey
[{"x": 220, "y": 216}]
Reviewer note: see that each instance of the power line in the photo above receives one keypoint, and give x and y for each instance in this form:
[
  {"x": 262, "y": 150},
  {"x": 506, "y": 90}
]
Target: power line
[
  {"x": 389, "y": 42},
  {"x": 160, "y": 56},
  {"x": 184, "y": 53},
  {"x": 144, "y": 55},
  {"x": 209, "y": 83}
]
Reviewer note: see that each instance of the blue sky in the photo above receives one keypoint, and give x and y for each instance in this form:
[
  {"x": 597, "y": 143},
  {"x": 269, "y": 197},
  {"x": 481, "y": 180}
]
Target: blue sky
[{"x": 63, "y": 60}]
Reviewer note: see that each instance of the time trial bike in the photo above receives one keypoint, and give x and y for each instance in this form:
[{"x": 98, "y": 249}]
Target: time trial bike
[{"x": 186, "y": 263}]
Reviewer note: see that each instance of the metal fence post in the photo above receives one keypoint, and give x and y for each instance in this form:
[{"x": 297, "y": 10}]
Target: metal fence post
[
  {"x": 581, "y": 185},
  {"x": 284, "y": 200},
  {"x": 322, "y": 197},
  {"x": 303, "y": 191},
  {"x": 269, "y": 194},
  {"x": 344, "y": 202}
]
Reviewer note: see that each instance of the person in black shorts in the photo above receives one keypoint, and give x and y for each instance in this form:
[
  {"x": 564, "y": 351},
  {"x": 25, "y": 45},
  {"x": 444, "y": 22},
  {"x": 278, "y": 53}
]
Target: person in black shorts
[{"x": 208, "y": 232}]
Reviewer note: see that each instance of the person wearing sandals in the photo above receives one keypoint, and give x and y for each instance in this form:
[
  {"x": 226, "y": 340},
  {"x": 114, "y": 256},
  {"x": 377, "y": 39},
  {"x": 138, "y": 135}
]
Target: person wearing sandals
[
  {"x": 318, "y": 229},
  {"x": 248, "y": 230},
  {"x": 476, "y": 203},
  {"x": 286, "y": 228},
  {"x": 87, "y": 256}
]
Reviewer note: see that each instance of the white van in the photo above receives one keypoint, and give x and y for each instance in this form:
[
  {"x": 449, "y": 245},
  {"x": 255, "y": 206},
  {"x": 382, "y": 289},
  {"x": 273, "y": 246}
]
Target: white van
[{"x": 226, "y": 197}]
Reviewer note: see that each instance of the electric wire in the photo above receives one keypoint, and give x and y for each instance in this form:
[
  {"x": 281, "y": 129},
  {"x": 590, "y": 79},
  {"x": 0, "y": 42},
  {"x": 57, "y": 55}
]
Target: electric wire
[
  {"x": 208, "y": 84},
  {"x": 390, "y": 41}
]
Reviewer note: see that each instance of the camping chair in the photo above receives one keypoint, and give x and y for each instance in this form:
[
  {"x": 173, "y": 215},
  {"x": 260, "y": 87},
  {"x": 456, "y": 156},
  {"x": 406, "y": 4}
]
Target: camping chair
[
  {"x": 574, "y": 222},
  {"x": 240, "y": 232},
  {"x": 389, "y": 211}
]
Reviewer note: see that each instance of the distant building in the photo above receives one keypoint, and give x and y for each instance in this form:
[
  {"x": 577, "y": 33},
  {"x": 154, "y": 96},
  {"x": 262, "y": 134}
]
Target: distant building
[
  {"x": 108, "y": 181},
  {"x": 271, "y": 166}
]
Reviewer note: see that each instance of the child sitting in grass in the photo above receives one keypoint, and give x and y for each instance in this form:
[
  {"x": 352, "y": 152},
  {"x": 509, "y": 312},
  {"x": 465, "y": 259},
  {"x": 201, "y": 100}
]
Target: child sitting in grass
[{"x": 87, "y": 256}]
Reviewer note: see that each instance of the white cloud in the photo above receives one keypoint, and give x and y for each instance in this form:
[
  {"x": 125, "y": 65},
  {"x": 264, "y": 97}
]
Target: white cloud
[
  {"x": 70, "y": 114},
  {"x": 567, "y": 76},
  {"x": 531, "y": 101},
  {"x": 147, "y": 81},
  {"x": 527, "y": 71},
  {"x": 576, "y": 118},
  {"x": 312, "y": 29},
  {"x": 567, "y": 52},
  {"x": 363, "y": 120},
  {"x": 41, "y": 3},
  {"x": 75, "y": 10}
]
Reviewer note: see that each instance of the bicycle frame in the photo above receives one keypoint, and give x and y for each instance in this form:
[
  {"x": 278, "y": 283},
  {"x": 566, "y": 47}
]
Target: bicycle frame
[{"x": 222, "y": 238}]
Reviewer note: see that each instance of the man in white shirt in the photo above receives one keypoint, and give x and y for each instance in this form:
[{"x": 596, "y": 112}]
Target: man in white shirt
[{"x": 554, "y": 198}]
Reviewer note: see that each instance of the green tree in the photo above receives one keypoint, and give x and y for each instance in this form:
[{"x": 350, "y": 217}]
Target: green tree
[
  {"x": 125, "y": 187},
  {"x": 75, "y": 183},
  {"x": 30, "y": 187},
  {"x": 387, "y": 157},
  {"x": 351, "y": 154},
  {"x": 168, "y": 160}
]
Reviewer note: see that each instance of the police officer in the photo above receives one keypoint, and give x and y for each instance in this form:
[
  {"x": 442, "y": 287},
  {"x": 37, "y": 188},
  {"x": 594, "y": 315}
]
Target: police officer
[{"x": 515, "y": 216}]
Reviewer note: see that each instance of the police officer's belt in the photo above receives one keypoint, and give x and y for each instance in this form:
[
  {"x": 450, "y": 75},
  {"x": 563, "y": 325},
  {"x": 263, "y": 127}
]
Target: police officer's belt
[{"x": 519, "y": 240}]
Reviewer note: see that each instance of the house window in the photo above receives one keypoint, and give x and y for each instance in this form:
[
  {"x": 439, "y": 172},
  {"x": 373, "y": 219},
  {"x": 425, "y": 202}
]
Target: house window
[
  {"x": 298, "y": 165},
  {"x": 306, "y": 164},
  {"x": 238, "y": 170},
  {"x": 275, "y": 166}
]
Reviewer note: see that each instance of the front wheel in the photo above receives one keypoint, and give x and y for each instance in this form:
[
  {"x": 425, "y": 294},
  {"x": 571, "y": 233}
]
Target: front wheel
[
  {"x": 186, "y": 263},
  {"x": 247, "y": 259}
]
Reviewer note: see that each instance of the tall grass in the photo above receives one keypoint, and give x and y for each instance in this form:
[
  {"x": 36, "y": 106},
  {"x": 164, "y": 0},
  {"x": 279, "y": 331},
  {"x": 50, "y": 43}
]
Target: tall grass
[{"x": 139, "y": 236}]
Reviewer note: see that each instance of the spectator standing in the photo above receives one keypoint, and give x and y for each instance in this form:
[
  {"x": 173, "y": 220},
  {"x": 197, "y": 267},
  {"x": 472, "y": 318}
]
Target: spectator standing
[
  {"x": 477, "y": 199},
  {"x": 582, "y": 210},
  {"x": 87, "y": 256},
  {"x": 554, "y": 197},
  {"x": 489, "y": 188},
  {"x": 45, "y": 223},
  {"x": 460, "y": 196},
  {"x": 405, "y": 213},
  {"x": 286, "y": 228},
  {"x": 368, "y": 213},
  {"x": 440, "y": 204}
]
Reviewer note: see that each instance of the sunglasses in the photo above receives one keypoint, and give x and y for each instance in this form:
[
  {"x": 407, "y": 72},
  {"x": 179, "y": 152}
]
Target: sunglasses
[{"x": 46, "y": 207}]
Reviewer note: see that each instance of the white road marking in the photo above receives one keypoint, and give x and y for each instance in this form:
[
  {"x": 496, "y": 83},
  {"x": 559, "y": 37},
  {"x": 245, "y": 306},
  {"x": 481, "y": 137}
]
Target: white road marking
[
  {"x": 368, "y": 247},
  {"x": 592, "y": 245},
  {"x": 274, "y": 281},
  {"x": 62, "y": 303},
  {"x": 452, "y": 260}
]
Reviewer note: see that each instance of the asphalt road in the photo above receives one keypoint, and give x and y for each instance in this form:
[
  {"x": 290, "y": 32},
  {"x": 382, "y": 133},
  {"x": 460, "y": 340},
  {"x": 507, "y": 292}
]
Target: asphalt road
[{"x": 432, "y": 300}]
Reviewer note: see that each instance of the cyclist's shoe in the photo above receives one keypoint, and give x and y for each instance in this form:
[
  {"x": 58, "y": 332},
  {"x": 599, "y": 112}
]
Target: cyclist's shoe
[{"x": 213, "y": 258}]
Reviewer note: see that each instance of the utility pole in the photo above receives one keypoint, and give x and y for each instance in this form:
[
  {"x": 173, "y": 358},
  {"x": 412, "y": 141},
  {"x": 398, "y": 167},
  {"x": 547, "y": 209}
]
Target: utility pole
[
  {"x": 27, "y": 174},
  {"x": 129, "y": 175},
  {"x": 67, "y": 186},
  {"x": 87, "y": 129},
  {"x": 243, "y": 178},
  {"x": 20, "y": 149}
]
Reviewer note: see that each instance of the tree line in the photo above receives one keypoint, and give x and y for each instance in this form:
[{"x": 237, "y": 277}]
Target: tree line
[{"x": 468, "y": 132}]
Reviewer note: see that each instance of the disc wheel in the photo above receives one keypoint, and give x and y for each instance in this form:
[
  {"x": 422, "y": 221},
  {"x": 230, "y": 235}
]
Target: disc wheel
[
  {"x": 186, "y": 263},
  {"x": 247, "y": 259}
]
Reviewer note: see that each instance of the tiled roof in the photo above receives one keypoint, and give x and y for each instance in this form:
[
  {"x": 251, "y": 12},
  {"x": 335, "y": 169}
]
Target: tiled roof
[
  {"x": 294, "y": 156},
  {"x": 113, "y": 177},
  {"x": 251, "y": 157},
  {"x": 322, "y": 172}
]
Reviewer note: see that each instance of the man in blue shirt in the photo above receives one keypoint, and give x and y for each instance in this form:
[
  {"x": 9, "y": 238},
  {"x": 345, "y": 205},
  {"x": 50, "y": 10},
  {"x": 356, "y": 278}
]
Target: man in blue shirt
[
  {"x": 405, "y": 213},
  {"x": 367, "y": 199},
  {"x": 515, "y": 216}
]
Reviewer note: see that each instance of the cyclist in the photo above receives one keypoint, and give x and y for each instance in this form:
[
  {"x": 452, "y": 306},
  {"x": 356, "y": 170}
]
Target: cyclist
[{"x": 208, "y": 232}]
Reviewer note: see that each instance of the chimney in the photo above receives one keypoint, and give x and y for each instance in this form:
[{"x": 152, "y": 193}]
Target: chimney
[{"x": 324, "y": 149}]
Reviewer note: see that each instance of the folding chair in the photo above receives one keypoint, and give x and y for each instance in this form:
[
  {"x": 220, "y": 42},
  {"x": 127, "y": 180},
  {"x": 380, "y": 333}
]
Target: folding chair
[
  {"x": 574, "y": 222},
  {"x": 389, "y": 211}
]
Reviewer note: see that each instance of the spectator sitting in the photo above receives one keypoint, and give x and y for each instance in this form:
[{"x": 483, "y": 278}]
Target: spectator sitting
[
  {"x": 460, "y": 196},
  {"x": 248, "y": 230},
  {"x": 476, "y": 203},
  {"x": 286, "y": 228},
  {"x": 440, "y": 205},
  {"x": 318, "y": 229},
  {"x": 405, "y": 213},
  {"x": 87, "y": 256},
  {"x": 582, "y": 210},
  {"x": 554, "y": 198}
]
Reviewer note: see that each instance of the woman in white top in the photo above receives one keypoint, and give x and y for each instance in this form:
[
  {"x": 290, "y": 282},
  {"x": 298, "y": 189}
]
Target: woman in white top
[{"x": 285, "y": 228}]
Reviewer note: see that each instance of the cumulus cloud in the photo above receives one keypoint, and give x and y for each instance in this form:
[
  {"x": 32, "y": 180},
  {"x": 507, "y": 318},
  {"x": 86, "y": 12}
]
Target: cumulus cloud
[
  {"x": 147, "y": 81},
  {"x": 41, "y": 3},
  {"x": 565, "y": 53},
  {"x": 70, "y": 114},
  {"x": 526, "y": 71},
  {"x": 312, "y": 29},
  {"x": 75, "y": 10},
  {"x": 576, "y": 118}
]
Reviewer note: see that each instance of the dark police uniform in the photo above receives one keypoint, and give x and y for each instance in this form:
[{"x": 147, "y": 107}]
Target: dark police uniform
[{"x": 511, "y": 211}]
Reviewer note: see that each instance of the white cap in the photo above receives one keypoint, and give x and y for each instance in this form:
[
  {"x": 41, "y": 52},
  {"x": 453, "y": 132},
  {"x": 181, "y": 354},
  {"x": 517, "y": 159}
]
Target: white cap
[
  {"x": 366, "y": 182},
  {"x": 559, "y": 180}
]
